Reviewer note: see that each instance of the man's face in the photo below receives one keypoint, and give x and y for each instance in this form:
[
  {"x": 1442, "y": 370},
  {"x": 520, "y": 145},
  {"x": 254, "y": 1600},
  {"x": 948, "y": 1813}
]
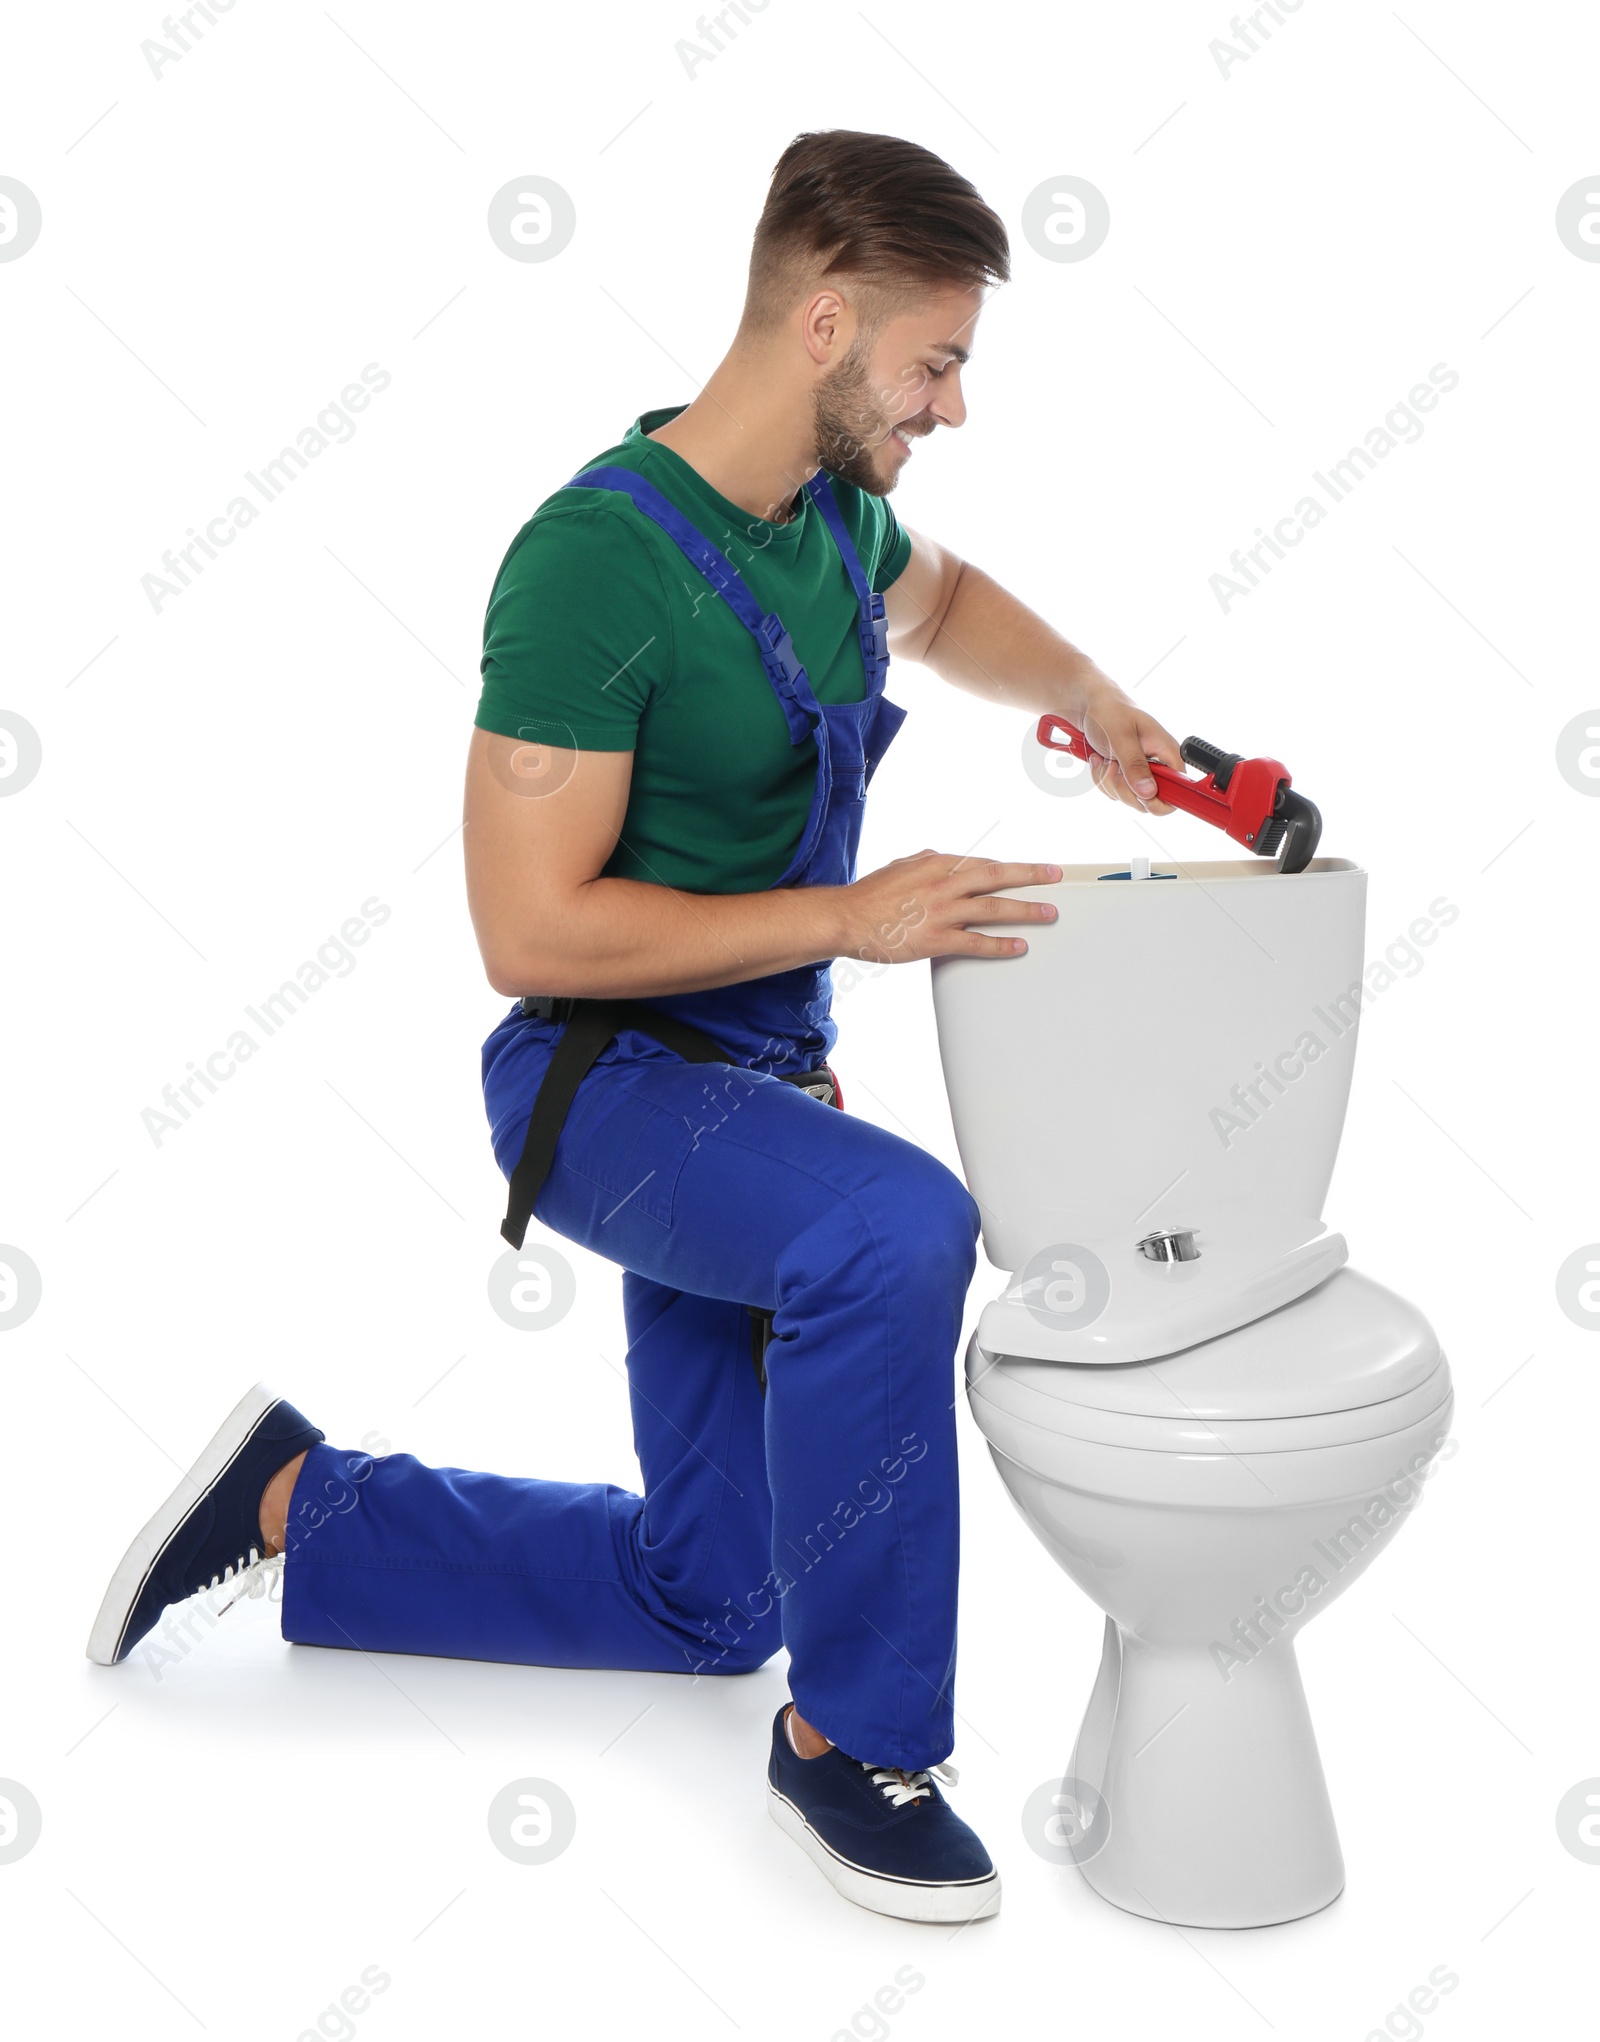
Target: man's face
[{"x": 891, "y": 391}]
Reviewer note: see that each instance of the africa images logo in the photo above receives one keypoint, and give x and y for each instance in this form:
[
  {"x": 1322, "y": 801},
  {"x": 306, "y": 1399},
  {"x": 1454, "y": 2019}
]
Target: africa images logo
[
  {"x": 1401, "y": 426},
  {"x": 335, "y": 958}
]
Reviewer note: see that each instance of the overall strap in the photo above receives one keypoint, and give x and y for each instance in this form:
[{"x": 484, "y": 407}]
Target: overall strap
[
  {"x": 874, "y": 625},
  {"x": 778, "y": 656},
  {"x": 826, "y": 502}
]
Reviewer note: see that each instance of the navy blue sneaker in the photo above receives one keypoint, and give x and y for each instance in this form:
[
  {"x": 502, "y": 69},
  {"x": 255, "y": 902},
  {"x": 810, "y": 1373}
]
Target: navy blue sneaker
[
  {"x": 209, "y": 1530},
  {"x": 887, "y": 1839}
]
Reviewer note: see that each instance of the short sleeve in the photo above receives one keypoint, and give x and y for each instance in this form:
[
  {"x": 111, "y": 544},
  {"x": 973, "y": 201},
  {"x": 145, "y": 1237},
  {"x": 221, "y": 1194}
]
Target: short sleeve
[
  {"x": 894, "y": 549},
  {"x": 577, "y": 636}
]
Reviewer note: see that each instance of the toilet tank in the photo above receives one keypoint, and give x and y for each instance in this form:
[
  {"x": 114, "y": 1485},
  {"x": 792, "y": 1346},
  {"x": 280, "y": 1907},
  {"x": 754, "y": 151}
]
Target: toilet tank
[{"x": 1171, "y": 1054}]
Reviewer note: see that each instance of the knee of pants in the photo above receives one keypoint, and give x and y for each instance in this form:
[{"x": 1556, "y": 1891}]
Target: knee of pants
[
  {"x": 740, "y": 1642},
  {"x": 927, "y": 1224}
]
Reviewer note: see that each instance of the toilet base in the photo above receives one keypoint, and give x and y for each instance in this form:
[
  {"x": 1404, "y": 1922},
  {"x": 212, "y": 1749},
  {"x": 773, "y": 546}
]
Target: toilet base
[{"x": 1215, "y": 1811}]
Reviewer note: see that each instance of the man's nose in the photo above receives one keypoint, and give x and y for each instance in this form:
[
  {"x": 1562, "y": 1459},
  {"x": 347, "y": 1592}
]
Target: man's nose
[{"x": 948, "y": 405}]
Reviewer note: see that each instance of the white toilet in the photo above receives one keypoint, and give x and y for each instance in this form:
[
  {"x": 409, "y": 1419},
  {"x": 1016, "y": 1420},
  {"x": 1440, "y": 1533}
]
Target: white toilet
[{"x": 1211, "y": 1422}]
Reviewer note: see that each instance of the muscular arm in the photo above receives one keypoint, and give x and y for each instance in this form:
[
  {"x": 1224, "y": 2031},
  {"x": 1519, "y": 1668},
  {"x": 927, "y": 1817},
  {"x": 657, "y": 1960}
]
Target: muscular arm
[
  {"x": 958, "y": 620},
  {"x": 541, "y": 822}
]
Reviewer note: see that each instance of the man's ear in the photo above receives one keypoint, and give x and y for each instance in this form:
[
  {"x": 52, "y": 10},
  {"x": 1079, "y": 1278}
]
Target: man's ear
[{"x": 827, "y": 326}]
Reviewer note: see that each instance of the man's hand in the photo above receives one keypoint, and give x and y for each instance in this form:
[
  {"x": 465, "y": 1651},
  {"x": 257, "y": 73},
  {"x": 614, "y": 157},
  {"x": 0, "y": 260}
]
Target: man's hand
[
  {"x": 921, "y": 906},
  {"x": 1127, "y": 740}
]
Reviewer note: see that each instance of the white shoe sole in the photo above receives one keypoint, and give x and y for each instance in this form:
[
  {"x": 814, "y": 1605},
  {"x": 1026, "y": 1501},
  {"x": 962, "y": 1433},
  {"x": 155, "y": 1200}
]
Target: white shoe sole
[
  {"x": 905, "y": 1899},
  {"x": 142, "y": 1557}
]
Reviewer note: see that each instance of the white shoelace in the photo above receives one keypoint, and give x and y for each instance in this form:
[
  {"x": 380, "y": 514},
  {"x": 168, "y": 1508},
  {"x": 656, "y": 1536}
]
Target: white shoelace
[
  {"x": 898, "y": 1786},
  {"x": 246, "y": 1578}
]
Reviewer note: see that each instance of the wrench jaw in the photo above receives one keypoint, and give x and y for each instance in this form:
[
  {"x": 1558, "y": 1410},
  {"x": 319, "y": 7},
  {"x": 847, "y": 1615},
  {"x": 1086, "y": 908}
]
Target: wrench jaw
[{"x": 1296, "y": 827}]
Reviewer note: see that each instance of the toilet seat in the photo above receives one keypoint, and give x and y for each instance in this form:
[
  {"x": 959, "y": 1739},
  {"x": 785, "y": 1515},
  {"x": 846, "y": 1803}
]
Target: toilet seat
[
  {"x": 1347, "y": 1362},
  {"x": 1294, "y": 1403},
  {"x": 1186, "y": 1434}
]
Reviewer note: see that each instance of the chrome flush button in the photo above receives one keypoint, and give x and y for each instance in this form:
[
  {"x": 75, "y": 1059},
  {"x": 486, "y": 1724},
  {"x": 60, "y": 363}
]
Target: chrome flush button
[{"x": 1170, "y": 1244}]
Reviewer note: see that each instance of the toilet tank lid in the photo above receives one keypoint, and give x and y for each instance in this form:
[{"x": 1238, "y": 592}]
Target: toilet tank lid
[{"x": 1349, "y": 1342}]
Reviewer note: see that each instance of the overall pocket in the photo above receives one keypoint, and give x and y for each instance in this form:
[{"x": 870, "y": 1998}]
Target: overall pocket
[{"x": 633, "y": 1126}]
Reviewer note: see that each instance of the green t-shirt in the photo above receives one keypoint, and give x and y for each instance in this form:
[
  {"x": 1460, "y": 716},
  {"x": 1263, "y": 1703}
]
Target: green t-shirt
[{"x": 601, "y": 636}]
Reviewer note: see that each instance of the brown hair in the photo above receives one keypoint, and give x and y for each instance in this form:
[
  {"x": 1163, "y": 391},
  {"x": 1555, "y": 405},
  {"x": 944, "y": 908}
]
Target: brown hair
[{"x": 892, "y": 216}]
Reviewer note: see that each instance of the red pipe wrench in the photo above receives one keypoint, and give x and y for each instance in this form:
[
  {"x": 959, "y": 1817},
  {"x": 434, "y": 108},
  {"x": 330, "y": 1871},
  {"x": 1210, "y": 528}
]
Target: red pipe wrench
[{"x": 1253, "y": 800}]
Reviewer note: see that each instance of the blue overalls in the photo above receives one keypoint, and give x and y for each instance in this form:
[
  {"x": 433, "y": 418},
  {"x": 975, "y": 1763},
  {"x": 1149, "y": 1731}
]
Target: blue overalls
[{"x": 821, "y": 1513}]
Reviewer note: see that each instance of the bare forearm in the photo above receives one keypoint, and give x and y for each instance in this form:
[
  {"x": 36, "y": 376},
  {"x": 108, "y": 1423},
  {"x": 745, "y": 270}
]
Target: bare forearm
[
  {"x": 973, "y": 633},
  {"x": 992, "y": 644},
  {"x": 626, "y": 939}
]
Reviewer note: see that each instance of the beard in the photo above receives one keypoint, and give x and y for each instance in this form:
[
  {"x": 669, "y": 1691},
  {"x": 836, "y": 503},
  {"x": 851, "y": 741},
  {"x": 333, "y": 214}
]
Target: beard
[{"x": 851, "y": 424}]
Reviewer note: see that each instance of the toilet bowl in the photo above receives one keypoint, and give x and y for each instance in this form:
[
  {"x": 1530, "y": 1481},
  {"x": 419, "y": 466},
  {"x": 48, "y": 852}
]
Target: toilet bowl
[
  {"x": 1211, "y": 1503},
  {"x": 1210, "y": 1420}
]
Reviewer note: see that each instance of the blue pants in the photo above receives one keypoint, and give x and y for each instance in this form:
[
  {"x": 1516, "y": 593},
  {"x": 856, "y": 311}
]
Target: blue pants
[{"x": 821, "y": 1516}]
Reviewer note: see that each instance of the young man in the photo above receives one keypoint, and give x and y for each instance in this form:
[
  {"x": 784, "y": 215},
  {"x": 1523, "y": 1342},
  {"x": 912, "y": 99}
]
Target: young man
[{"x": 682, "y": 706}]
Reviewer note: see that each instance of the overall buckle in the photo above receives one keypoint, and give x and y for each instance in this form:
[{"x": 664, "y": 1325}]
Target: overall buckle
[
  {"x": 875, "y": 633},
  {"x": 777, "y": 648}
]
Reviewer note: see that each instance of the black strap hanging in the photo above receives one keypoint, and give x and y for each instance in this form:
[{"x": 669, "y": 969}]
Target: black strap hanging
[
  {"x": 760, "y": 1340},
  {"x": 591, "y": 1026}
]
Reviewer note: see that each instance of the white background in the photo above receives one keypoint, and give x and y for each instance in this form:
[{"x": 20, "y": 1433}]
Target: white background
[{"x": 1292, "y": 247}]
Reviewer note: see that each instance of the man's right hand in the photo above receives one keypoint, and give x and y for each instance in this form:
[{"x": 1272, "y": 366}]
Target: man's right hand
[{"x": 921, "y": 907}]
